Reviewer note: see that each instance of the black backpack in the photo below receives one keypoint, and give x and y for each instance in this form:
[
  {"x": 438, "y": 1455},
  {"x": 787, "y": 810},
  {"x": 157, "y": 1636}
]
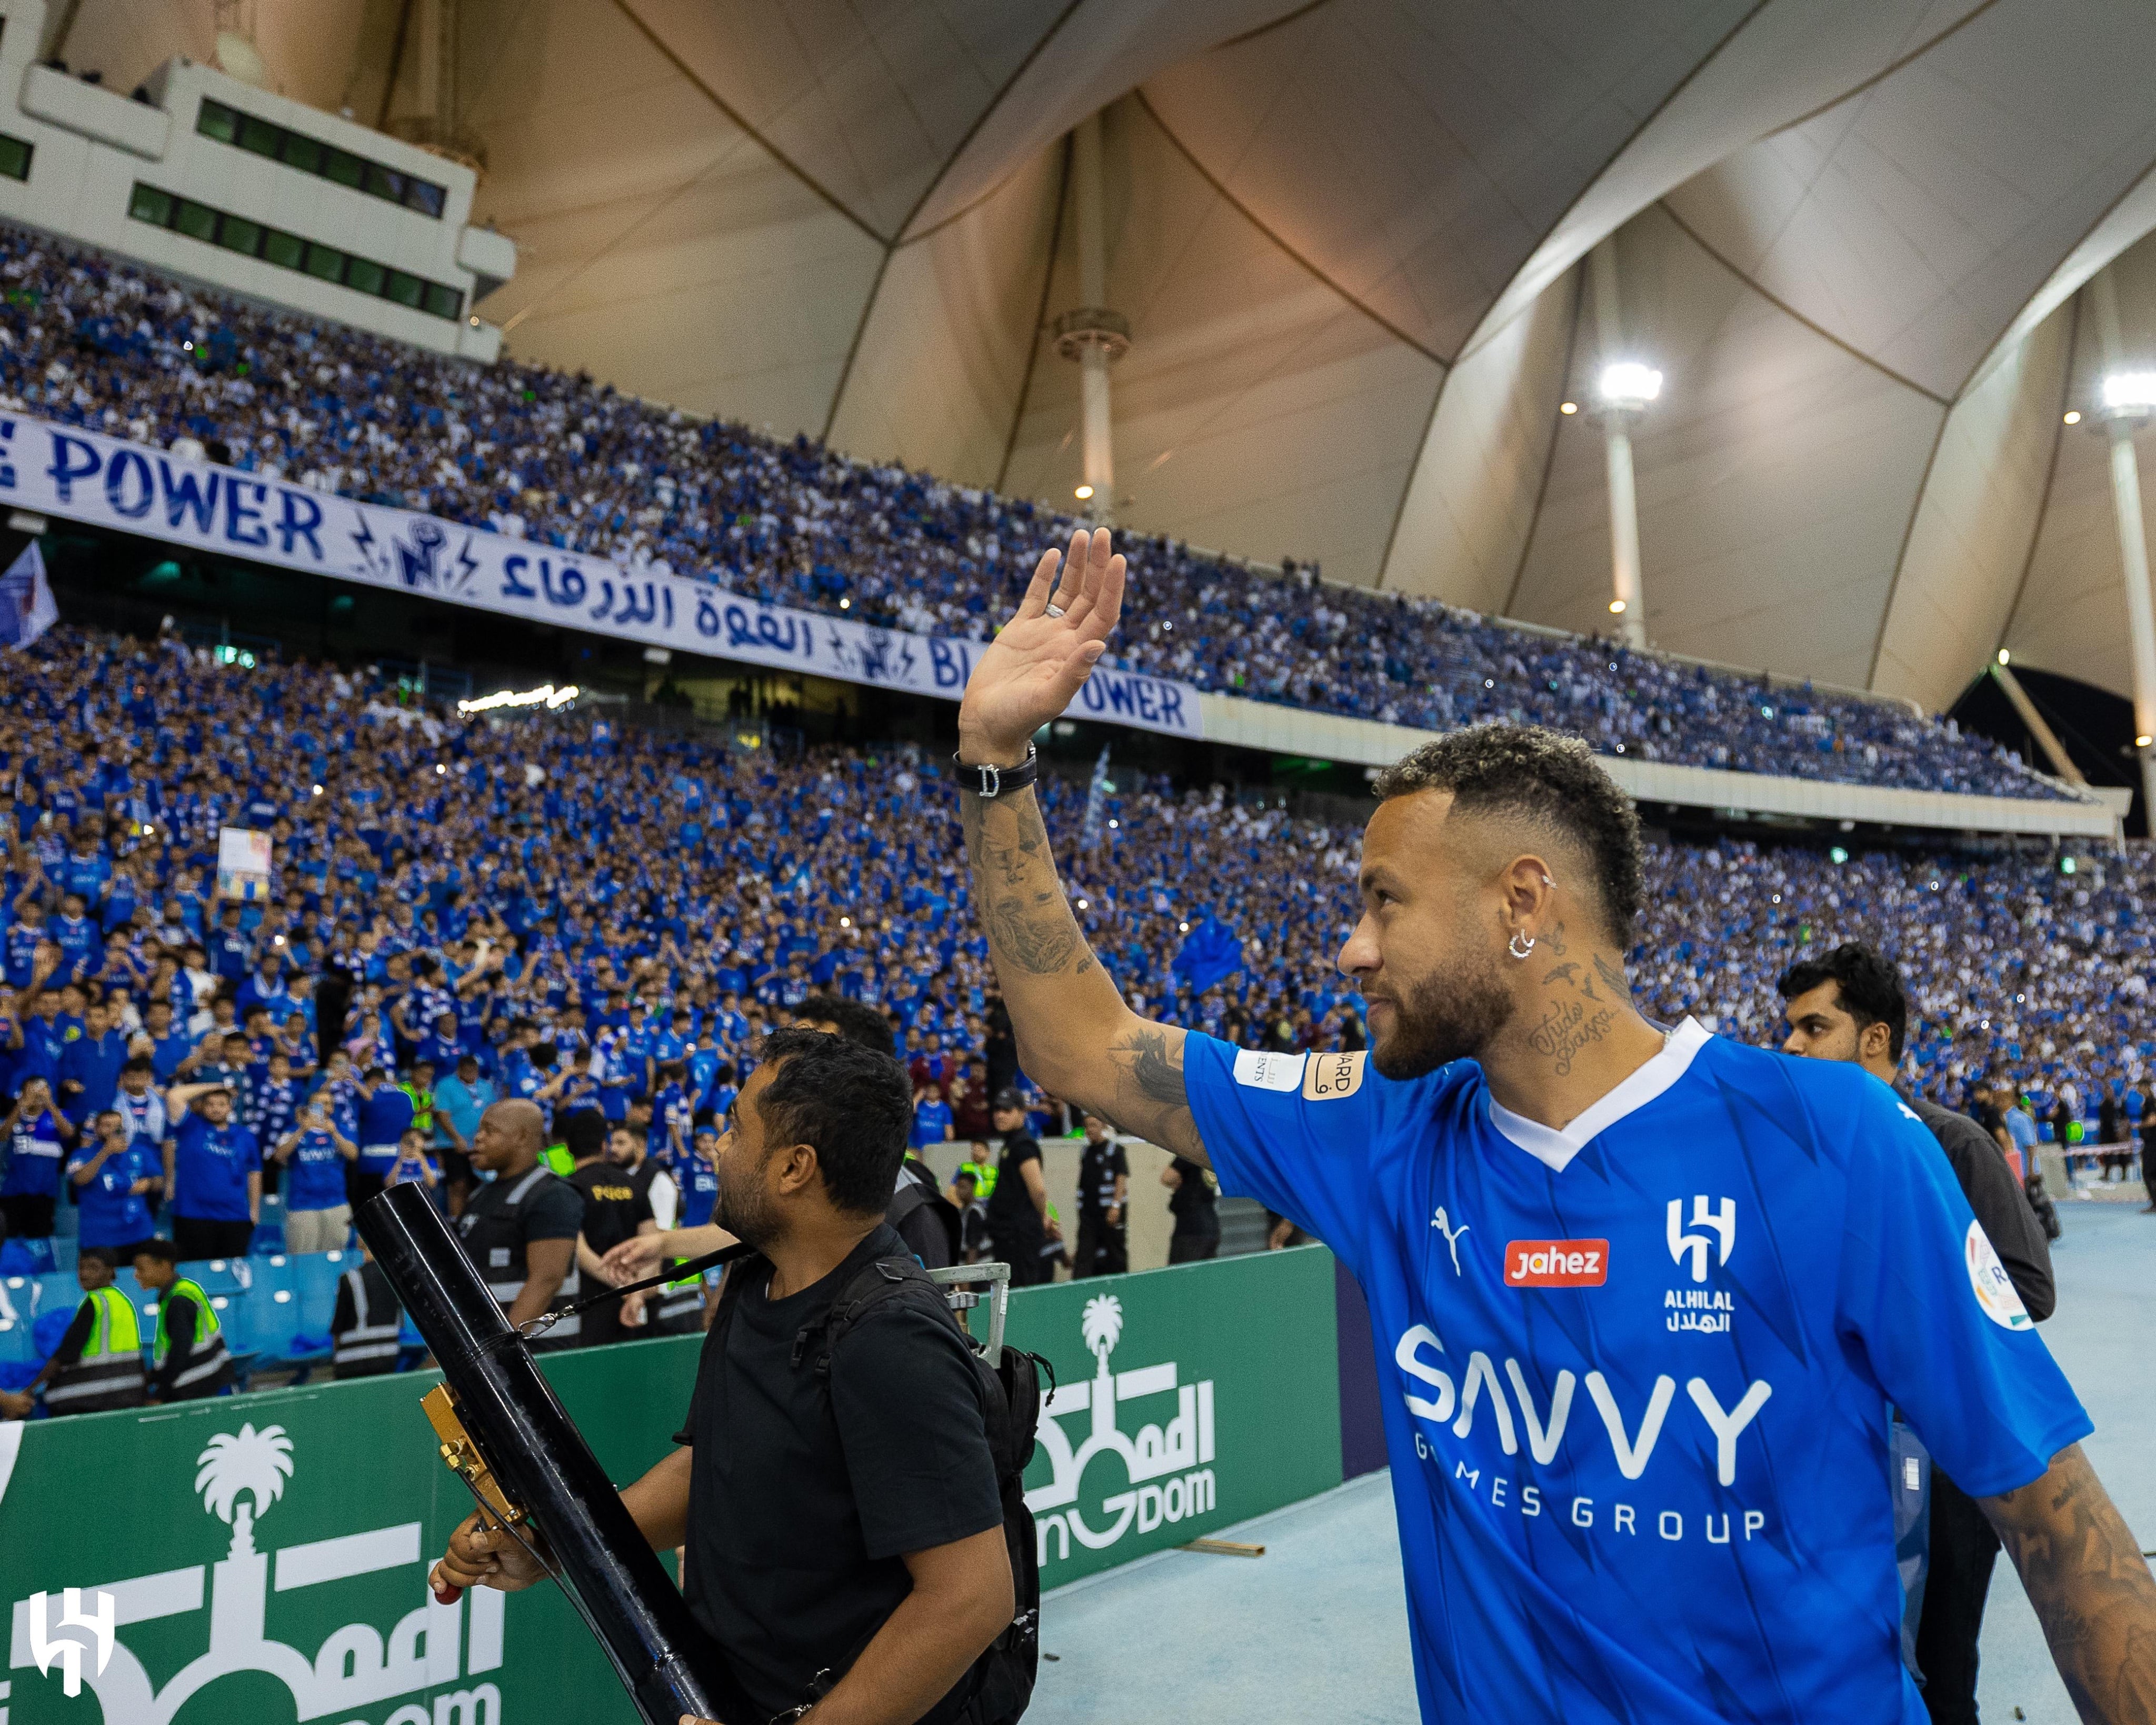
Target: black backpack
[{"x": 1000, "y": 1685}]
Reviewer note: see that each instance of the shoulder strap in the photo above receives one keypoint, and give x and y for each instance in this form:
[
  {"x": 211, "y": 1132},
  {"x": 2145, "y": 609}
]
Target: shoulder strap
[
  {"x": 679, "y": 1272},
  {"x": 878, "y": 1282}
]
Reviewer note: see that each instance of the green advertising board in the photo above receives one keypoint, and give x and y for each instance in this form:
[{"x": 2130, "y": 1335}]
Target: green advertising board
[{"x": 262, "y": 1558}]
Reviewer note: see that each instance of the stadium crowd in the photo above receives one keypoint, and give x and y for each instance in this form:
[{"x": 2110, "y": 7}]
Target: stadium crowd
[
  {"x": 598, "y": 915},
  {"x": 559, "y": 460}
]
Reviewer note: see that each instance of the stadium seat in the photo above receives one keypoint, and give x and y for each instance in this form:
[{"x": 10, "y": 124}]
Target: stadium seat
[{"x": 317, "y": 1275}]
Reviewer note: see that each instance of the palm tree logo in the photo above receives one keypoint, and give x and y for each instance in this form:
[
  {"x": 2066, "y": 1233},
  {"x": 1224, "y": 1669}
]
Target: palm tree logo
[
  {"x": 254, "y": 1465},
  {"x": 1102, "y": 1326}
]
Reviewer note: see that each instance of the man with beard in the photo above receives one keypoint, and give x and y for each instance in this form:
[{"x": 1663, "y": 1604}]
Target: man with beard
[
  {"x": 1740, "y": 1259},
  {"x": 840, "y": 1504}
]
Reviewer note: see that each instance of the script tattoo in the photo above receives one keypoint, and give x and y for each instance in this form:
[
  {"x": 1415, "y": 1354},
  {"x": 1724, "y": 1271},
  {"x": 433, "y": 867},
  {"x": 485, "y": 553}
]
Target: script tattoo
[
  {"x": 2084, "y": 1573},
  {"x": 1564, "y": 1031},
  {"x": 1614, "y": 977}
]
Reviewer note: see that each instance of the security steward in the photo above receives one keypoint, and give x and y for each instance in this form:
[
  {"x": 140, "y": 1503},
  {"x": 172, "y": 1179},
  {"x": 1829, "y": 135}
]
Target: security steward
[
  {"x": 98, "y": 1365},
  {"x": 841, "y": 1511},
  {"x": 1019, "y": 1222},
  {"x": 369, "y": 1320},
  {"x": 1103, "y": 1193},
  {"x": 520, "y": 1228},
  {"x": 1849, "y": 1005},
  {"x": 617, "y": 1207},
  {"x": 188, "y": 1360}
]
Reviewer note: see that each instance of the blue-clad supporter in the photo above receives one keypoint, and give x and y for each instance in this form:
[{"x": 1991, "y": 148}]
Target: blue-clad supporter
[
  {"x": 89, "y": 1065},
  {"x": 112, "y": 1189},
  {"x": 460, "y": 1100},
  {"x": 264, "y": 987},
  {"x": 169, "y": 1045},
  {"x": 315, "y": 1157},
  {"x": 931, "y": 1118},
  {"x": 36, "y": 1134},
  {"x": 213, "y": 1173},
  {"x": 231, "y": 952},
  {"x": 273, "y": 1101},
  {"x": 385, "y": 1113},
  {"x": 26, "y": 934}
]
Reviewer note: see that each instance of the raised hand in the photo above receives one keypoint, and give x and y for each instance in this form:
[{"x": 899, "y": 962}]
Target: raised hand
[{"x": 1033, "y": 669}]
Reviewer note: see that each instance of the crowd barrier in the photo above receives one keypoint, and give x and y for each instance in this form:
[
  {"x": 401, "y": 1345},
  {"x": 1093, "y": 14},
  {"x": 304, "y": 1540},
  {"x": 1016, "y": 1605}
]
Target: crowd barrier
[{"x": 271, "y": 1549}]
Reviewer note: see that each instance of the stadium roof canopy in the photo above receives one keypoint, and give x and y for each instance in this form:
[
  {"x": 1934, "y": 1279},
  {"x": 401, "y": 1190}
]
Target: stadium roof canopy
[{"x": 1349, "y": 237}]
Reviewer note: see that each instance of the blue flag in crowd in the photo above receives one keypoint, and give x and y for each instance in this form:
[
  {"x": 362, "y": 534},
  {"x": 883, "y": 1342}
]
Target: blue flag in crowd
[
  {"x": 1209, "y": 952},
  {"x": 26, "y": 609},
  {"x": 1096, "y": 802}
]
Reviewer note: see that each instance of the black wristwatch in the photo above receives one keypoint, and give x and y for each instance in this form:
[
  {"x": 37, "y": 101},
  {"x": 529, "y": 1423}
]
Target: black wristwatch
[{"x": 989, "y": 782}]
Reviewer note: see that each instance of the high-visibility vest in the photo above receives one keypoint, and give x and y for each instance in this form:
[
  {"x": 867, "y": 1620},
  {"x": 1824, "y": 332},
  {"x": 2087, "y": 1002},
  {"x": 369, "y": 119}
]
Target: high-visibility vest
[
  {"x": 202, "y": 1371},
  {"x": 369, "y": 1346},
  {"x": 109, "y": 1373},
  {"x": 984, "y": 1178}
]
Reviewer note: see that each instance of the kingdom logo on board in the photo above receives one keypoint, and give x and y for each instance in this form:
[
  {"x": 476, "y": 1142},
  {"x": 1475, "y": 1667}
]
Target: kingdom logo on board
[
  {"x": 79, "y": 1636},
  {"x": 1165, "y": 1474}
]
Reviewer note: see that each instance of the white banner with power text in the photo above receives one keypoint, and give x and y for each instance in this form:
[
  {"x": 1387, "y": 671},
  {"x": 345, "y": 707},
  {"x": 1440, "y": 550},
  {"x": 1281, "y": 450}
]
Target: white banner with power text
[{"x": 85, "y": 476}]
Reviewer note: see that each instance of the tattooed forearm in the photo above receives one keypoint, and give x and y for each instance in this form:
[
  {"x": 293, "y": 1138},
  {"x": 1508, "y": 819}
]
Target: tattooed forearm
[
  {"x": 2084, "y": 1573},
  {"x": 1033, "y": 930},
  {"x": 1151, "y": 1099},
  {"x": 1030, "y": 924}
]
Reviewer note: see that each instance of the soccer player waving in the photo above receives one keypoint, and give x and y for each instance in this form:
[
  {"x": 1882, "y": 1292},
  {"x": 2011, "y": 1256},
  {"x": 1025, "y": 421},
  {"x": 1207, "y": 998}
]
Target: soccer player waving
[{"x": 1641, "y": 1300}]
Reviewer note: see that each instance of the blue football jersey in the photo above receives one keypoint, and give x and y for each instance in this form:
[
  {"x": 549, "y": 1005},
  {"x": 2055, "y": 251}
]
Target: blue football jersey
[{"x": 1635, "y": 1373}]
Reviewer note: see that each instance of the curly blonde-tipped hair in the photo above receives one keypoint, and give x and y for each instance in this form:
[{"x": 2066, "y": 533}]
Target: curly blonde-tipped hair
[{"x": 1543, "y": 776}]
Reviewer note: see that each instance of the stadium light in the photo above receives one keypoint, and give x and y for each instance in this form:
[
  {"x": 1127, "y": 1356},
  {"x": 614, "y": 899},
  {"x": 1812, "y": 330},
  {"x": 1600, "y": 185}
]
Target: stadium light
[
  {"x": 2144, "y": 741},
  {"x": 546, "y": 694},
  {"x": 1083, "y": 494},
  {"x": 2004, "y": 657},
  {"x": 1616, "y": 607},
  {"x": 1628, "y": 385},
  {"x": 1567, "y": 407},
  {"x": 2073, "y": 416},
  {"x": 2130, "y": 392}
]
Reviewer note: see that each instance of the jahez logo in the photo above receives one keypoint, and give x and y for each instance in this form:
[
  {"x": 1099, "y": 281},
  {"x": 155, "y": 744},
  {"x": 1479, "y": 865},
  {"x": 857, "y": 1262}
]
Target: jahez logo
[{"x": 1557, "y": 1263}]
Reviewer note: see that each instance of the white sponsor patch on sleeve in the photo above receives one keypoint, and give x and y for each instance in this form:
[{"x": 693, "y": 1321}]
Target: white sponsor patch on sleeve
[
  {"x": 1995, "y": 1288},
  {"x": 1265, "y": 1071}
]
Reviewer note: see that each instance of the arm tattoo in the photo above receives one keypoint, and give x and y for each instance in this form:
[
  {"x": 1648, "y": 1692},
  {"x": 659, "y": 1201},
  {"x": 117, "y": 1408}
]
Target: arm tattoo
[
  {"x": 1151, "y": 1099},
  {"x": 2085, "y": 1574},
  {"x": 1029, "y": 924}
]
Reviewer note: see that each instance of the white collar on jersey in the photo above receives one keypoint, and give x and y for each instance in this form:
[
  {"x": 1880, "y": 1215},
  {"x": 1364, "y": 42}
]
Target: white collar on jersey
[{"x": 1554, "y": 1148}]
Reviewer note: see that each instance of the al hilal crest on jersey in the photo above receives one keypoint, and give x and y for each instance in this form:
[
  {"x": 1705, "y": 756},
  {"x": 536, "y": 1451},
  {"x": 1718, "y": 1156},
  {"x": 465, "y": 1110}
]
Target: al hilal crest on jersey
[{"x": 1635, "y": 1373}]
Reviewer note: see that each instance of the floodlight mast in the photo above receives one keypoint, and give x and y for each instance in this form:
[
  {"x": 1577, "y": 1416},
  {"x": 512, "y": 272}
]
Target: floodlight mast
[
  {"x": 2129, "y": 401},
  {"x": 1624, "y": 388}
]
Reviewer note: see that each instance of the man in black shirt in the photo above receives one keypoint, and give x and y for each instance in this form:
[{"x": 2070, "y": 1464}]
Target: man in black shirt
[
  {"x": 844, "y": 1519},
  {"x": 617, "y": 1207},
  {"x": 1849, "y": 1006},
  {"x": 1104, "y": 1191},
  {"x": 1019, "y": 1228},
  {"x": 1196, "y": 1208},
  {"x": 520, "y": 1228}
]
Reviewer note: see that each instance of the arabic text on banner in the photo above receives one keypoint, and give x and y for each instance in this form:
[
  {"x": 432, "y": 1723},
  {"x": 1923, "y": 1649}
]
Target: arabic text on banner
[{"x": 84, "y": 476}]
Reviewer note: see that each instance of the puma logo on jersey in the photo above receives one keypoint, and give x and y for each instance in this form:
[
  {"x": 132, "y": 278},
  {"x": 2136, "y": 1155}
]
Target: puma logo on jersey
[
  {"x": 1442, "y": 1224},
  {"x": 1557, "y": 1263}
]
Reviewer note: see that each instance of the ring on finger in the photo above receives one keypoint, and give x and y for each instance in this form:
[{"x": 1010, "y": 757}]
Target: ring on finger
[{"x": 1056, "y": 610}]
